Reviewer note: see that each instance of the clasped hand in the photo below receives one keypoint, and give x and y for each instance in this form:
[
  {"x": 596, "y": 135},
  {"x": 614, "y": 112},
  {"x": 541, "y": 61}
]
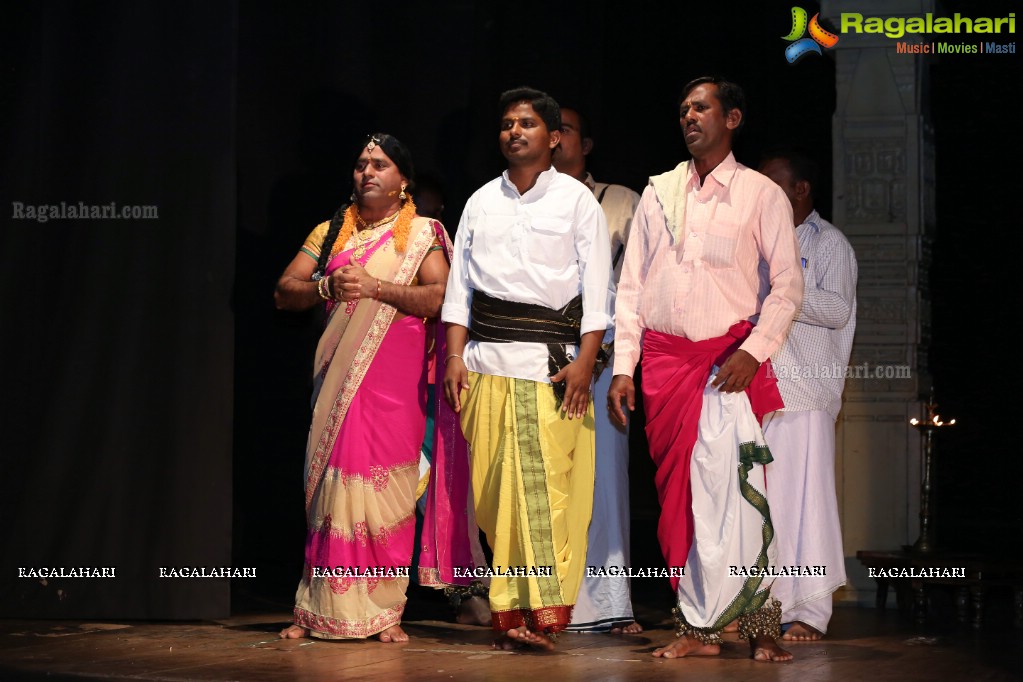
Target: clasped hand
[{"x": 351, "y": 282}]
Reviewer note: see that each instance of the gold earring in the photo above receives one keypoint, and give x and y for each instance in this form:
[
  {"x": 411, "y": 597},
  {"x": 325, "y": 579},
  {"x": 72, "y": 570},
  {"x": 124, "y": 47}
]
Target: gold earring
[{"x": 403, "y": 196}]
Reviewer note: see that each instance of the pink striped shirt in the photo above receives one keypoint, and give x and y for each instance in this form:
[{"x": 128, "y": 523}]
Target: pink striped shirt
[{"x": 737, "y": 259}]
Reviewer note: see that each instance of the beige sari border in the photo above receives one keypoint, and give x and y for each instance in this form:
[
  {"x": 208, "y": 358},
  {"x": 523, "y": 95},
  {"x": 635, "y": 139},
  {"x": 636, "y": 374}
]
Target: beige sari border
[
  {"x": 379, "y": 479},
  {"x": 325, "y": 627},
  {"x": 362, "y": 533}
]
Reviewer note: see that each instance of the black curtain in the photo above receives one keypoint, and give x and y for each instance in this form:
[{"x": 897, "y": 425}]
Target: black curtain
[{"x": 117, "y": 334}]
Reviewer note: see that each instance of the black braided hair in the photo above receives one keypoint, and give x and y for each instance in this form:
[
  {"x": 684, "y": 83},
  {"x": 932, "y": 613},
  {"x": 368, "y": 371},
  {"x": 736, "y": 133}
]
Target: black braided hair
[{"x": 328, "y": 241}]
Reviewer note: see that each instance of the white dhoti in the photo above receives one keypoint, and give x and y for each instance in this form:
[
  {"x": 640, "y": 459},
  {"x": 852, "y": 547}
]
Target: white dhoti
[
  {"x": 732, "y": 533},
  {"x": 804, "y": 507},
  {"x": 605, "y": 601}
]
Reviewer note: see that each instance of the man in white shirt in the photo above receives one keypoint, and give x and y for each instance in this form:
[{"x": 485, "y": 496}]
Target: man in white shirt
[
  {"x": 605, "y": 600},
  {"x": 528, "y": 301},
  {"x": 810, "y": 367}
]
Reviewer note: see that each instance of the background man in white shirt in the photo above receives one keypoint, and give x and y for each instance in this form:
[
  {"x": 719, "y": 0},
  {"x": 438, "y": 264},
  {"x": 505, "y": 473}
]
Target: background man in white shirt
[
  {"x": 605, "y": 601},
  {"x": 528, "y": 303},
  {"x": 810, "y": 367}
]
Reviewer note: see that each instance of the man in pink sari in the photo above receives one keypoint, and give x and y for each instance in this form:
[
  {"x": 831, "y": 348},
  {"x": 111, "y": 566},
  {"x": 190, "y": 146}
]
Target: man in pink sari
[
  {"x": 381, "y": 271},
  {"x": 709, "y": 288}
]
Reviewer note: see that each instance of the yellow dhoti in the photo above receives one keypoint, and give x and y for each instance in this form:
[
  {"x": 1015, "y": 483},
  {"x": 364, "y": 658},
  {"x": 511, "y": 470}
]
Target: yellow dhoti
[{"x": 532, "y": 479}]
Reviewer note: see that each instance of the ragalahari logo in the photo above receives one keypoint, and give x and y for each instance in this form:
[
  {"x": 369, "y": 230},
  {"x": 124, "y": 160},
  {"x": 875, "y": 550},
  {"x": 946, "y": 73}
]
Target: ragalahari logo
[{"x": 801, "y": 46}]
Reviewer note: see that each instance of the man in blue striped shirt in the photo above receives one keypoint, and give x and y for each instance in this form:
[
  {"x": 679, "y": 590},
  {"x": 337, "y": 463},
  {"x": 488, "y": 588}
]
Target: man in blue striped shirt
[{"x": 810, "y": 367}]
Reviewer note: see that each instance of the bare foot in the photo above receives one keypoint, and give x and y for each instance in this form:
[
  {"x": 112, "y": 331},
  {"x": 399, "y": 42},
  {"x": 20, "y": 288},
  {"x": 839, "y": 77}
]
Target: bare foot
[
  {"x": 687, "y": 646},
  {"x": 732, "y": 627},
  {"x": 766, "y": 649},
  {"x": 393, "y": 634},
  {"x": 506, "y": 643},
  {"x": 524, "y": 635},
  {"x": 474, "y": 611},
  {"x": 294, "y": 632},
  {"x": 801, "y": 632},
  {"x": 632, "y": 628}
]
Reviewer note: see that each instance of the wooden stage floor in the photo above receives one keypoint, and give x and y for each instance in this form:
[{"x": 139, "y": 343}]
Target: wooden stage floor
[{"x": 864, "y": 644}]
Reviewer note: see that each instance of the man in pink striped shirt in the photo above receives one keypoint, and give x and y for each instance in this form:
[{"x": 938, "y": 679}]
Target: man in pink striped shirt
[{"x": 710, "y": 286}]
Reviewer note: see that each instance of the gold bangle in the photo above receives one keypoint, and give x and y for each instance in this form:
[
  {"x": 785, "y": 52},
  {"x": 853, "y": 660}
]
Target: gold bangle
[
  {"x": 453, "y": 355},
  {"x": 377, "y": 297},
  {"x": 321, "y": 289}
]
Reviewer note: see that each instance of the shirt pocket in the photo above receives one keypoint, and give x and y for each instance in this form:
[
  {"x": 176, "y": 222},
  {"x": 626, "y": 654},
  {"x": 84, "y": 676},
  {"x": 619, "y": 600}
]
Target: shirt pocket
[
  {"x": 551, "y": 242},
  {"x": 720, "y": 244}
]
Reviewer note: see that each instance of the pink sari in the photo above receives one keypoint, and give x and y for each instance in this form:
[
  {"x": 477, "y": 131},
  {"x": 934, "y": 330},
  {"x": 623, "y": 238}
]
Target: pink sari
[
  {"x": 363, "y": 452},
  {"x": 450, "y": 538}
]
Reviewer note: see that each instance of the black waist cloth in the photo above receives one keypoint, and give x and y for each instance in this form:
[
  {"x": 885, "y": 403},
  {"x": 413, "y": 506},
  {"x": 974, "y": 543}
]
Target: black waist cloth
[{"x": 498, "y": 321}]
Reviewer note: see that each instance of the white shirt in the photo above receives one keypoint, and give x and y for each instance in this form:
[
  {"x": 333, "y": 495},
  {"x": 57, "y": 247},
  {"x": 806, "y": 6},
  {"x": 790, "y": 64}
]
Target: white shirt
[
  {"x": 810, "y": 365},
  {"x": 619, "y": 204},
  {"x": 543, "y": 247}
]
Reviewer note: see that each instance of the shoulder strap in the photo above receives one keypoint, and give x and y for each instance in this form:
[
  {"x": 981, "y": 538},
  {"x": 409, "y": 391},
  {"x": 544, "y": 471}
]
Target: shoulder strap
[{"x": 621, "y": 247}]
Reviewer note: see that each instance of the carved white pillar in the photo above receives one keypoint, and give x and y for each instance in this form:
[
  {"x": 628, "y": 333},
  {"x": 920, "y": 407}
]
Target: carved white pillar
[{"x": 884, "y": 201}]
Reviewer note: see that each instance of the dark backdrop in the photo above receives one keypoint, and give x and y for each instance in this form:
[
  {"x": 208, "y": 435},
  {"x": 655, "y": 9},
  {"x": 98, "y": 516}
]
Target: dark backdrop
[
  {"x": 117, "y": 335},
  {"x": 138, "y": 432}
]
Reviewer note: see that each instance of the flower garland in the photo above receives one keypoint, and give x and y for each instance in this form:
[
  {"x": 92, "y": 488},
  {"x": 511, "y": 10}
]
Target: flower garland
[{"x": 402, "y": 225}]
